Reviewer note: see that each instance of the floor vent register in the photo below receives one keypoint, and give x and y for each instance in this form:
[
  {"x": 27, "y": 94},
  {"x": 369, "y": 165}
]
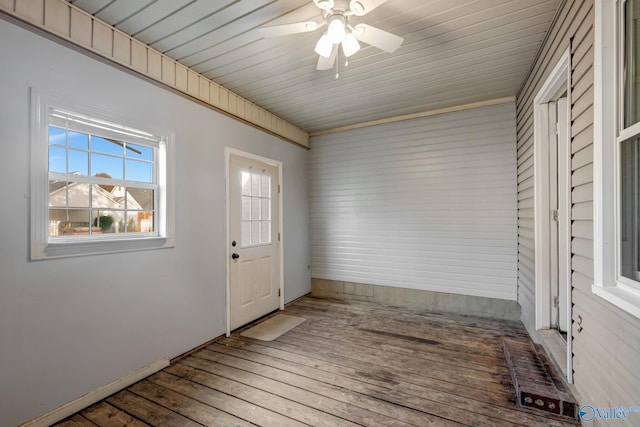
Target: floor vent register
[{"x": 537, "y": 383}]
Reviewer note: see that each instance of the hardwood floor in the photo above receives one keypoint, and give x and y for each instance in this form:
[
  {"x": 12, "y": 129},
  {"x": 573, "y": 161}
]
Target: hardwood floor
[{"x": 350, "y": 363}]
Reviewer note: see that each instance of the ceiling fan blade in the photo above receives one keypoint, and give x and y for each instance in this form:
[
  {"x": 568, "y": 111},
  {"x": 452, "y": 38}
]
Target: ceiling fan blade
[
  {"x": 327, "y": 63},
  {"x": 362, "y": 7},
  {"x": 287, "y": 29},
  {"x": 378, "y": 38}
]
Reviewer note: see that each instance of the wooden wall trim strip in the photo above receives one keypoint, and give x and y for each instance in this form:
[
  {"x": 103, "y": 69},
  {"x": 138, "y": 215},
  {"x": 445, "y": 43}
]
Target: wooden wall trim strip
[
  {"x": 66, "y": 21},
  {"x": 417, "y": 115}
]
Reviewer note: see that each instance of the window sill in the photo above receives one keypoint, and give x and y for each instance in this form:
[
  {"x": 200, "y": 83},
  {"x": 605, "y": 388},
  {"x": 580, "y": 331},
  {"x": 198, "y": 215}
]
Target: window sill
[
  {"x": 97, "y": 247},
  {"x": 623, "y": 297}
]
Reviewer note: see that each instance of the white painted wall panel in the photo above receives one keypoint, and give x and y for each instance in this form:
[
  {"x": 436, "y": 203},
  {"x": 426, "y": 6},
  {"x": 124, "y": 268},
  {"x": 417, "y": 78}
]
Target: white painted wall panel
[
  {"x": 424, "y": 204},
  {"x": 69, "y": 326}
]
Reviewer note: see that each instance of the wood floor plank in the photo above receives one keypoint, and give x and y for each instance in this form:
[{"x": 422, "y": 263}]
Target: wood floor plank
[
  {"x": 343, "y": 391},
  {"x": 183, "y": 405},
  {"x": 258, "y": 397},
  {"x": 332, "y": 404},
  {"x": 227, "y": 403},
  {"x": 406, "y": 345},
  {"x": 149, "y": 412},
  {"x": 76, "y": 420},
  {"x": 106, "y": 415},
  {"x": 490, "y": 383},
  {"x": 415, "y": 397}
]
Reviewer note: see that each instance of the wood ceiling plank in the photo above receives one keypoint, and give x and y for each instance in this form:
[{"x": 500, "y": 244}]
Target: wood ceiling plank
[
  {"x": 119, "y": 10},
  {"x": 180, "y": 19},
  {"x": 151, "y": 15},
  {"x": 91, "y": 6}
]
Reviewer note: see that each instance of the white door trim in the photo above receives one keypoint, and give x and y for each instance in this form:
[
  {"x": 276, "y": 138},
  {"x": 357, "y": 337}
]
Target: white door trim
[
  {"x": 558, "y": 81},
  {"x": 228, "y": 152}
]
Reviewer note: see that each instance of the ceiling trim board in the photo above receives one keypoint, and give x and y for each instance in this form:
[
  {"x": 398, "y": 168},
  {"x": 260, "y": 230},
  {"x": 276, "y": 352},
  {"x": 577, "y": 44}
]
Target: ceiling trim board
[
  {"x": 171, "y": 73},
  {"x": 470, "y": 106}
]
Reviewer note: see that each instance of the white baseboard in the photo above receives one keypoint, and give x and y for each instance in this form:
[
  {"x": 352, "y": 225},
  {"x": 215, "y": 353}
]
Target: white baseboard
[{"x": 92, "y": 397}]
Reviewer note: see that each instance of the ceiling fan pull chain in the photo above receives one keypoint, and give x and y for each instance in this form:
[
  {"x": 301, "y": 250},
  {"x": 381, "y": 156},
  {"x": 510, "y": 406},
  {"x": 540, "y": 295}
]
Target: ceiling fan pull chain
[{"x": 337, "y": 63}]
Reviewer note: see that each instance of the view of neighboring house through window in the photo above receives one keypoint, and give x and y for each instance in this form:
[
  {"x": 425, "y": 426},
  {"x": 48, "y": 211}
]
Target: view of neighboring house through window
[
  {"x": 629, "y": 145},
  {"x": 99, "y": 182},
  {"x": 102, "y": 178}
]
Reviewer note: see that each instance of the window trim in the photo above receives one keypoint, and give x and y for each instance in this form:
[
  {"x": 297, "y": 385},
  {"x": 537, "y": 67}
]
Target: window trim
[
  {"x": 41, "y": 247},
  {"x": 605, "y": 167}
]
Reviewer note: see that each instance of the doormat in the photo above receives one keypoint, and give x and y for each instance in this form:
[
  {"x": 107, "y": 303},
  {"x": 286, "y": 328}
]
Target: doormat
[{"x": 273, "y": 327}]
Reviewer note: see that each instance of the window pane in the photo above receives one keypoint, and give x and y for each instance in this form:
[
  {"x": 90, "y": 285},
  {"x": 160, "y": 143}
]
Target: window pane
[
  {"x": 109, "y": 146},
  {"x": 78, "y": 140},
  {"x": 139, "y": 222},
  {"x": 57, "y": 136},
  {"x": 78, "y": 162},
  {"x": 255, "y": 232},
  {"x": 139, "y": 171},
  {"x": 56, "y": 217},
  {"x": 58, "y": 194},
  {"x": 105, "y": 220},
  {"x": 246, "y": 208},
  {"x": 266, "y": 209},
  {"x": 246, "y": 233},
  {"x": 134, "y": 151},
  {"x": 71, "y": 223},
  {"x": 111, "y": 166},
  {"x": 255, "y": 184},
  {"x": 630, "y": 209},
  {"x": 266, "y": 186},
  {"x": 255, "y": 208},
  {"x": 101, "y": 197},
  {"x": 78, "y": 195},
  {"x": 140, "y": 199},
  {"x": 57, "y": 159},
  {"x": 632, "y": 64},
  {"x": 266, "y": 232},
  {"x": 246, "y": 183}
]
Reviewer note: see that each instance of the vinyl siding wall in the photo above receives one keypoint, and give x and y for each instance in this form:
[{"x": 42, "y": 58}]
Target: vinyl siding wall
[
  {"x": 425, "y": 204},
  {"x": 607, "y": 349}
]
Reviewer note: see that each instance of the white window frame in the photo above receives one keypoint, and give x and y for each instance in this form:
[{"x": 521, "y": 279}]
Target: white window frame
[
  {"x": 45, "y": 247},
  {"x": 606, "y": 190}
]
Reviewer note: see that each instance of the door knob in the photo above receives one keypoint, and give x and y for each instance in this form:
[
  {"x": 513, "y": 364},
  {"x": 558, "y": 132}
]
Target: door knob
[{"x": 235, "y": 256}]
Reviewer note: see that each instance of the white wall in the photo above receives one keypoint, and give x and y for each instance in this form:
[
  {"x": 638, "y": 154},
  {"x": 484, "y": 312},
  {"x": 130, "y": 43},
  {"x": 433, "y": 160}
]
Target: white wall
[
  {"x": 424, "y": 204},
  {"x": 69, "y": 326}
]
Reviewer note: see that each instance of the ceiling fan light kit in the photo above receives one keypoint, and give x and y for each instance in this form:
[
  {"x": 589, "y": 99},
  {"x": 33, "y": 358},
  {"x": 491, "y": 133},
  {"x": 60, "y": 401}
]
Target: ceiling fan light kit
[
  {"x": 336, "y": 16},
  {"x": 324, "y": 46},
  {"x": 324, "y": 4}
]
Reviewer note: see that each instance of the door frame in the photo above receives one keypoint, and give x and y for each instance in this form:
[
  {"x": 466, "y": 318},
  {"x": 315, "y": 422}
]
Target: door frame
[
  {"x": 228, "y": 152},
  {"x": 558, "y": 81}
]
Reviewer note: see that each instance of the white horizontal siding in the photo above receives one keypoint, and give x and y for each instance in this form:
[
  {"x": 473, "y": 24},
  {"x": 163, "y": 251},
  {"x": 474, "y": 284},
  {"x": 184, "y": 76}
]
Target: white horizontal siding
[
  {"x": 606, "y": 346},
  {"x": 424, "y": 204}
]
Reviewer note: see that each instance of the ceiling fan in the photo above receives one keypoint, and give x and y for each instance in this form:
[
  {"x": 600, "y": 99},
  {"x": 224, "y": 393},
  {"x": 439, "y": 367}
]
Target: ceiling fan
[{"x": 336, "y": 15}]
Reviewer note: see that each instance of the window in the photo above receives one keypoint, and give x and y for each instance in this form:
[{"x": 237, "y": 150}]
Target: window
[
  {"x": 617, "y": 154},
  {"x": 256, "y": 208},
  {"x": 98, "y": 184}
]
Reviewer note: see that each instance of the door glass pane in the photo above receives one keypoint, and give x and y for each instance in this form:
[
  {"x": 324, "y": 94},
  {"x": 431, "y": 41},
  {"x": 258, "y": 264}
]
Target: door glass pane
[
  {"x": 246, "y": 183},
  {"x": 255, "y": 208},
  {"x": 631, "y": 64},
  {"x": 630, "y": 209}
]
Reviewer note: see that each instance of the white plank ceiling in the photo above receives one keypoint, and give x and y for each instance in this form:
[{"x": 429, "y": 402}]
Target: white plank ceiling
[{"x": 455, "y": 52}]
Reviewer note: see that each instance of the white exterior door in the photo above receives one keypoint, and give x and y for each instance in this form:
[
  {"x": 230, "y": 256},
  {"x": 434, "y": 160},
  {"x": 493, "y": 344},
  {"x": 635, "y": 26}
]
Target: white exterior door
[
  {"x": 254, "y": 261},
  {"x": 558, "y": 197}
]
